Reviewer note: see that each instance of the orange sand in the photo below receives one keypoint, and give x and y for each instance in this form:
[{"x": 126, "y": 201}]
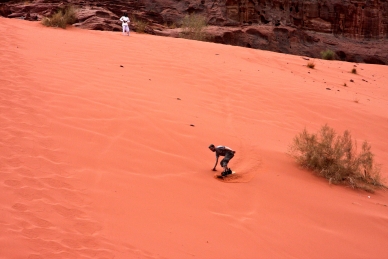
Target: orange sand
[{"x": 100, "y": 161}]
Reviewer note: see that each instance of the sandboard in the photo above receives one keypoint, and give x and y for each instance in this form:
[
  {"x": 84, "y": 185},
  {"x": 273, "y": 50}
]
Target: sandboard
[{"x": 222, "y": 177}]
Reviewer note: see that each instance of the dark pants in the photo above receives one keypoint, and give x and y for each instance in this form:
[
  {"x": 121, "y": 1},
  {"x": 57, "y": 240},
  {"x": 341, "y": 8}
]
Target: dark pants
[{"x": 225, "y": 161}]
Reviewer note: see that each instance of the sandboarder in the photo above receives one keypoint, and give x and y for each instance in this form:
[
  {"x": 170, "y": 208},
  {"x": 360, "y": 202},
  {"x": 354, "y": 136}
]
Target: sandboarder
[{"x": 227, "y": 153}]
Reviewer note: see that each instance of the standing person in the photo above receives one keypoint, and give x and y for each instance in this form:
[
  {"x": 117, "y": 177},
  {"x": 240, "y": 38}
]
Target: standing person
[
  {"x": 227, "y": 153},
  {"x": 125, "y": 23}
]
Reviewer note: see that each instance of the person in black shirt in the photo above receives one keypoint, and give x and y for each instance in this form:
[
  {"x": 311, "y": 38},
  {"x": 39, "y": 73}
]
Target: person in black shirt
[{"x": 227, "y": 153}]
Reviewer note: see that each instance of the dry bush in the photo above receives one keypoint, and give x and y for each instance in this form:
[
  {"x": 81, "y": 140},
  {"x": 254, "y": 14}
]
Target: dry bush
[
  {"x": 311, "y": 65},
  {"x": 193, "y": 27},
  {"x": 140, "y": 25},
  {"x": 335, "y": 158},
  {"x": 328, "y": 54},
  {"x": 170, "y": 25},
  {"x": 62, "y": 18},
  {"x": 354, "y": 71},
  {"x": 173, "y": 26}
]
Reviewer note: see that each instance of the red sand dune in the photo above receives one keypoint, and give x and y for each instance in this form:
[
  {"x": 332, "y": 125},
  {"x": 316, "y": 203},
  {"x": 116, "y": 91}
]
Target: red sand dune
[{"x": 98, "y": 158}]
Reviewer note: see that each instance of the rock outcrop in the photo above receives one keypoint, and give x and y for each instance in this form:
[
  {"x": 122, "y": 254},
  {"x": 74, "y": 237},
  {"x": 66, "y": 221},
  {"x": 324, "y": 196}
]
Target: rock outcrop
[
  {"x": 358, "y": 19},
  {"x": 305, "y": 43},
  {"x": 357, "y": 30}
]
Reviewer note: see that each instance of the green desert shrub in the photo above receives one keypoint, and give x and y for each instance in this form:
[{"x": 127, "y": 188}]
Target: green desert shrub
[
  {"x": 335, "y": 157},
  {"x": 193, "y": 27},
  {"x": 328, "y": 54},
  {"x": 62, "y": 18}
]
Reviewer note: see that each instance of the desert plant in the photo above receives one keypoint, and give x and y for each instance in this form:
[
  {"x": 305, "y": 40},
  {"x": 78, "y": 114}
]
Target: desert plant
[
  {"x": 170, "y": 25},
  {"x": 345, "y": 84},
  {"x": 193, "y": 27},
  {"x": 354, "y": 71},
  {"x": 335, "y": 158},
  {"x": 311, "y": 65},
  {"x": 327, "y": 54},
  {"x": 62, "y": 18},
  {"x": 140, "y": 25}
]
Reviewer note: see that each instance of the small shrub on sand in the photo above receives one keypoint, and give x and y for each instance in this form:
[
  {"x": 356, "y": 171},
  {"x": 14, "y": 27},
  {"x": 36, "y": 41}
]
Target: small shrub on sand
[
  {"x": 193, "y": 27},
  {"x": 328, "y": 54},
  {"x": 311, "y": 65},
  {"x": 62, "y": 18},
  {"x": 354, "y": 71},
  {"x": 335, "y": 158}
]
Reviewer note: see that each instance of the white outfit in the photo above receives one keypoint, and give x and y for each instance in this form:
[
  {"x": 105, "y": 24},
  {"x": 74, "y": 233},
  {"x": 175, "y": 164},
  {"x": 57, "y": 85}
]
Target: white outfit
[{"x": 124, "y": 22}]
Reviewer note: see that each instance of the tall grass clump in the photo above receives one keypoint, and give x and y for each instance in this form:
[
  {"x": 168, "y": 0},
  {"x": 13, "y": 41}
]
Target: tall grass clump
[
  {"x": 193, "y": 27},
  {"x": 62, "y": 18},
  {"x": 335, "y": 157},
  {"x": 328, "y": 54}
]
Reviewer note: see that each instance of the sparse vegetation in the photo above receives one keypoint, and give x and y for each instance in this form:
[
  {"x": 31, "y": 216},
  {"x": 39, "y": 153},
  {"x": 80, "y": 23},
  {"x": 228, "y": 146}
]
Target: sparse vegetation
[
  {"x": 170, "y": 25},
  {"x": 311, "y": 64},
  {"x": 193, "y": 27},
  {"x": 62, "y": 18},
  {"x": 335, "y": 158},
  {"x": 140, "y": 25},
  {"x": 354, "y": 71},
  {"x": 328, "y": 54},
  {"x": 345, "y": 84}
]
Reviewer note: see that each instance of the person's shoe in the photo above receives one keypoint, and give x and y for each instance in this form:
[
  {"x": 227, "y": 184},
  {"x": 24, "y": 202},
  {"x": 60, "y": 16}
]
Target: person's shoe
[
  {"x": 225, "y": 173},
  {"x": 229, "y": 171}
]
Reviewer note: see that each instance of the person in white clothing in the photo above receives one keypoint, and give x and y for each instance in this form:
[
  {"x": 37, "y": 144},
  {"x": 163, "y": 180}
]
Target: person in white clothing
[{"x": 125, "y": 23}]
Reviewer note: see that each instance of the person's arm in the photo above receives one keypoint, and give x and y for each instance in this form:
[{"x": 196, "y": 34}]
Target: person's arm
[{"x": 214, "y": 168}]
